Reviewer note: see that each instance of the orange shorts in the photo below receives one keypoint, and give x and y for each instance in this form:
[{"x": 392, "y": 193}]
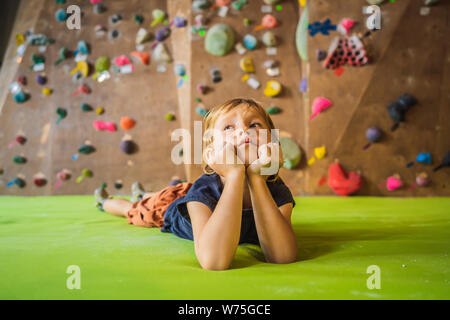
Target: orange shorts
[{"x": 149, "y": 212}]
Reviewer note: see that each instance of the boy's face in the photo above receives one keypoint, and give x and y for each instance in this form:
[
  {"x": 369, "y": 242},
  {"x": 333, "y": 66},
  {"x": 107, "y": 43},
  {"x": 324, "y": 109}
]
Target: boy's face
[{"x": 245, "y": 128}]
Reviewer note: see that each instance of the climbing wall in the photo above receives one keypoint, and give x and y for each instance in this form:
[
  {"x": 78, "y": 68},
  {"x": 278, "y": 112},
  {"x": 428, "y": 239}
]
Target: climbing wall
[
  {"x": 146, "y": 95},
  {"x": 410, "y": 54},
  {"x": 290, "y": 101}
]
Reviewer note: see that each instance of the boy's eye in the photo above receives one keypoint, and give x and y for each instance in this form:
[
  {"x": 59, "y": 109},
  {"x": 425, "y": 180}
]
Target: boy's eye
[
  {"x": 254, "y": 125},
  {"x": 228, "y": 127}
]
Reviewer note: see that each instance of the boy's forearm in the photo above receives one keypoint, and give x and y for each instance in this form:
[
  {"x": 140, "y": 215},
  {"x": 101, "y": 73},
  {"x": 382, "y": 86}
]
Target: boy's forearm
[
  {"x": 220, "y": 236},
  {"x": 276, "y": 236}
]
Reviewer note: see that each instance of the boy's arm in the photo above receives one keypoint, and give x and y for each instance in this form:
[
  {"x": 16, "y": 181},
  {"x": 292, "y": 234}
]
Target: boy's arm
[
  {"x": 275, "y": 232},
  {"x": 217, "y": 239}
]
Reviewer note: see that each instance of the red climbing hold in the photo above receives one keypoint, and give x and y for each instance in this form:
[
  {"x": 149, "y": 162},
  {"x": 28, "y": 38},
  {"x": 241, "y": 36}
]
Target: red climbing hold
[{"x": 341, "y": 182}]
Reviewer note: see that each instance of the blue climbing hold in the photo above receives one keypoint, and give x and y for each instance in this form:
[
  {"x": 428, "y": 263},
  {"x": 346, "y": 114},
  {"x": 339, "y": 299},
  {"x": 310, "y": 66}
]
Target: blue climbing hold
[
  {"x": 322, "y": 27},
  {"x": 250, "y": 42},
  {"x": 61, "y": 15},
  {"x": 424, "y": 157}
]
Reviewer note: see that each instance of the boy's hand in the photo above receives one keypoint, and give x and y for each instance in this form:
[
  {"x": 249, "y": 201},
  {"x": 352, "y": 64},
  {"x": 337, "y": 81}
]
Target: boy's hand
[
  {"x": 266, "y": 159},
  {"x": 224, "y": 161}
]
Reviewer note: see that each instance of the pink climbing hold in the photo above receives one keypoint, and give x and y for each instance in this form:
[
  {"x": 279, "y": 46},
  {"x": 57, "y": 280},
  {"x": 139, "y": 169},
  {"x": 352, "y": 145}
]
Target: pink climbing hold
[
  {"x": 104, "y": 125},
  {"x": 82, "y": 89},
  {"x": 345, "y": 25},
  {"x": 320, "y": 104},
  {"x": 393, "y": 183},
  {"x": 121, "y": 61},
  {"x": 95, "y": 1}
]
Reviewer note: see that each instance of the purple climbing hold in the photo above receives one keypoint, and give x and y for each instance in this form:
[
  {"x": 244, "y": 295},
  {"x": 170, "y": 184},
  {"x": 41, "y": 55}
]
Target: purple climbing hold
[{"x": 162, "y": 34}]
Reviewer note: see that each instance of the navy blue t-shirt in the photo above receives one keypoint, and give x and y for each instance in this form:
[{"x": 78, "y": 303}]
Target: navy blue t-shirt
[{"x": 208, "y": 189}]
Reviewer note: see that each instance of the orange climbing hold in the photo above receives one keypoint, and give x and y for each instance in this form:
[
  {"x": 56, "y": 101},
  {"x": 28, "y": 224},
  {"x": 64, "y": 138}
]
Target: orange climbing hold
[
  {"x": 143, "y": 57},
  {"x": 127, "y": 123}
]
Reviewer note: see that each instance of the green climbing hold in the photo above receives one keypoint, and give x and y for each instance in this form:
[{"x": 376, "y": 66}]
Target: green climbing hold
[
  {"x": 20, "y": 160},
  {"x": 238, "y": 4},
  {"x": 219, "y": 39},
  {"x": 102, "y": 64},
  {"x": 291, "y": 152},
  {"x": 103, "y": 186},
  {"x": 86, "y": 108},
  {"x": 170, "y": 116},
  {"x": 86, "y": 149},
  {"x": 138, "y": 18},
  {"x": 19, "y": 182},
  {"x": 62, "y": 113},
  {"x": 273, "y": 110}
]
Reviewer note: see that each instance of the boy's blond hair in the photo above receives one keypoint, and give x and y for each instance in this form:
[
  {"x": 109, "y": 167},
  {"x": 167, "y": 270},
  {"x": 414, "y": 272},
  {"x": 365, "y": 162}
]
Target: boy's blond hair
[{"x": 215, "y": 112}]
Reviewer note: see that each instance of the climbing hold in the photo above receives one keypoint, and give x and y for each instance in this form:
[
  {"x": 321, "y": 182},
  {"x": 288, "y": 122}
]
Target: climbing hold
[
  {"x": 430, "y": 2},
  {"x": 320, "y": 152},
  {"x": 203, "y": 89},
  {"x": 158, "y": 17},
  {"x": 83, "y": 67},
  {"x": 142, "y": 56},
  {"x": 345, "y": 25},
  {"x": 142, "y": 35},
  {"x": 252, "y": 82},
  {"x": 422, "y": 179},
  {"x": 341, "y": 182},
  {"x": 301, "y": 35},
  {"x": 199, "y": 5},
  {"x": 179, "y": 22},
  {"x": 47, "y": 91},
  {"x": 375, "y": 2},
  {"x": 21, "y": 97},
  {"x": 424, "y": 157},
  {"x": 216, "y": 76},
  {"x": 82, "y": 89},
  {"x": 269, "y": 39},
  {"x": 160, "y": 53},
  {"x": 291, "y": 152},
  {"x": 83, "y": 47},
  {"x": 138, "y": 18},
  {"x": 86, "y": 149},
  {"x": 127, "y": 123},
  {"x": 397, "y": 110},
  {"x": 238, "y": 4},
  {"x": 394, "y": 182},
  {"x": 115, "y": 18},
  {"x": 270, "y": 64},
  {"x": 19, "y": 139},
  {"x": 321, "y": 54},
  {"x": 99, "y": 110},
  {"x": 273, "y": 110},
  {"x": 170, "y": 116},
  {"x": 323, "y": 27},
  {"x": 128, "y": 146},
  {"x": 22, "y": 80},
  {"x": 374, "y": 134},
  {"x": 20, "y": 160},
  {"x": 268, "y": 21},
  {"x": 62, "y": 113},
  {"x": 246, "y": 64},
  {"x": 99, "y": 8},
  {"x": 18, "y": 182},
  {"x": 104, "y": 125},
  {"x": 63, "y": 54},
  {"x": 179, "y": 69},
  {"x": 61, "y": 15},
  {"x": 39, "y": 181},
  {"x": 273, "y": 72},
  {"x": 86, "y": 108},
  {"x": 273, "y": 88},
  {"x": 201, "y": 111},
  {"x": 320, "y": 104},
  {"x": 219, "y": 39},
  {"x": 250, "y": 42},
  {"x": 346, "y": 51},
  {"x": 114, "y": 33},
  {"x": 445, "y": 162},
  {"x": 41, "y": 79},
  {"x": 118, "y": 184},
  {"x": 85, "y": 173},
  {"x": 162, "y": 34},
  {"x": 61, "y": 176},
  {"x": 303, "y": 87}
]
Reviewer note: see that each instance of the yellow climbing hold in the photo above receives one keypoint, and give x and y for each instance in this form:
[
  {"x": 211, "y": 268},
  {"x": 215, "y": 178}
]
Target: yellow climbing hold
[
  {"x": 311, "y": 161},
  {"x": 273, "y": 88},
  {"x": 47, "y": 91},
  {"x": 246, "y": 64},
  {"x": 83, "y": 67},
  {"x": 320, "y": 152},
  {"x": 99, "y": 110},
  {"x": 245, "y": 78}
]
